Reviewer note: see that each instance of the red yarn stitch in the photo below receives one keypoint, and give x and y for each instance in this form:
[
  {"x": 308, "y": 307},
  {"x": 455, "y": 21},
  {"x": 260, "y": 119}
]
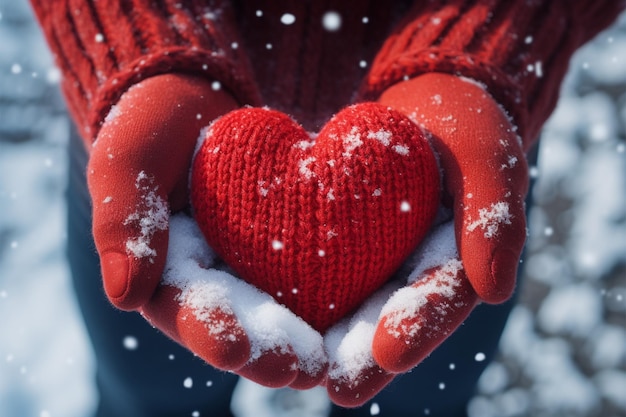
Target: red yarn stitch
[
  {"x": 309, "y": 72},
  {"x": 318, "y": 225}
]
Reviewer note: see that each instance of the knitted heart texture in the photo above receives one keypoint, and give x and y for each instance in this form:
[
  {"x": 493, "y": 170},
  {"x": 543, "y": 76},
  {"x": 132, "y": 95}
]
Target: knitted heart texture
[{"x": 319, "y": 222}]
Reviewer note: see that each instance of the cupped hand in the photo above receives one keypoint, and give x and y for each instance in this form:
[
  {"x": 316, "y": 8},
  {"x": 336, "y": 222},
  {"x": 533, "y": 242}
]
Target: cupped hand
[
  {"x": 484, "y": 171},
  {"x": 485, "y": 180},
  {"x": 402, "y": 323},
  {"x": 138, "y": 176},
  {"x": 229, "y": 323}
]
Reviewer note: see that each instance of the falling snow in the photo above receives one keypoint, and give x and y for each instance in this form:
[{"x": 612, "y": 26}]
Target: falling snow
[
  {"x": 130, "y": 343},
  {"x": 288, "y": 19},
  {"x": 331, "y": 21},
  {"x": 575, "y": 256}
]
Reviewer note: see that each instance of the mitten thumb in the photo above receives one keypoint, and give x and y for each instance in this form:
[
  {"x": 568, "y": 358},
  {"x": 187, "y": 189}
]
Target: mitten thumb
[
  {"x": 138, "y": 171},
  {"x": 130, "y": 225}
]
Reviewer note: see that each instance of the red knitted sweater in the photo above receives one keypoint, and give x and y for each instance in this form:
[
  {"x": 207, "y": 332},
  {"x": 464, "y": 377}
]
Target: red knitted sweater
[{"x": 280, "y": 53}]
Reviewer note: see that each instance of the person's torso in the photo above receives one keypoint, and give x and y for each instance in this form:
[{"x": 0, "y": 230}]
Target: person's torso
[{"x": 310, "y": 56}]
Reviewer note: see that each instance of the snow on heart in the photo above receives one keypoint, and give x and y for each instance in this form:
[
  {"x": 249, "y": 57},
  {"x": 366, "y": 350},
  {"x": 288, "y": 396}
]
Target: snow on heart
[{"x": 363, "y": 192}]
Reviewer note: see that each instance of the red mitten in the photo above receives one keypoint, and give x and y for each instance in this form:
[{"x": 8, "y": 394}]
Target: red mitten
[
  {"x": 486, "y": 179},
  {"x": 228, "y": 322},
  {"x": 421, "y": 315},
  {"x": 401, "y": 324},
  {"x": 485, "y": 174},
  {"x": 137, "y": 175}
]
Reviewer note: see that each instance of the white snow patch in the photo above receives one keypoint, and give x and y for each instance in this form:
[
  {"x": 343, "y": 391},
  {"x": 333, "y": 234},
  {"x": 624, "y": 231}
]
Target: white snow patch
[
  {"x": 510, "y": 163},
  {"x": 304, "y": 144},
  {"x": 351, "y": 141},
  {"x": 490, "y": 219},
  {"x": 401, "y": 150},
  {"x": 113, "y": 114},
  {"x": 408, "y": 302},
  {"x": 330, "y": 195},
  {"x": 303, "y": 167},
  {"x": 263, "y": 190},
  {"x": 151, "y": 217},
  {"x": 382, "y": 135},
  {"x": 348, "y": 343},
  {"x": 269, "y": 325}
]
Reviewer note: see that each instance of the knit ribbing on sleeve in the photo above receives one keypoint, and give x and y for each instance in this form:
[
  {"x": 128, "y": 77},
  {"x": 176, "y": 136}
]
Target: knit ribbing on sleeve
[
  {"x": 519, "y": 50},
  {"x": 102, "y": 47}
]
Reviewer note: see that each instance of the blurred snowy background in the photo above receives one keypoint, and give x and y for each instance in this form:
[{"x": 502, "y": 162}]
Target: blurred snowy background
[{"x": 564, "y": 350}]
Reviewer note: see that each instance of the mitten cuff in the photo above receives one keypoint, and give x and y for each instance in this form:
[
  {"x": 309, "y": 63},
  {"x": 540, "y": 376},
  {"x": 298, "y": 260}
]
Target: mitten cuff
[
  {"x": 519, "y": 50},
  {"x": 104, "y": 47}
]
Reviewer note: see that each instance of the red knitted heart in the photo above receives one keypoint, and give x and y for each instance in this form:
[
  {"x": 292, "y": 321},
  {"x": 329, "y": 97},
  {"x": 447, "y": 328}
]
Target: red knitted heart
[{"x": 319, "y": 222}]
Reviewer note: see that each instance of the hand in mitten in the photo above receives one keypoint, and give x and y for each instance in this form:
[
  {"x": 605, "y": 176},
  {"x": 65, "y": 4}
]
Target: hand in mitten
[
  {"x": 485, "y": 174},
  {"x": 400, "y": 324},
  {"x": 485, "y": 180},
  {"x": 137, "y": 175},
  {"x": 228, "y": 322}
]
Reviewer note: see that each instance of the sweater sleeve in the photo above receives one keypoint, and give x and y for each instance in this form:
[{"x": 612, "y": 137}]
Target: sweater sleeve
[
  {"x": 519, "y": 50},
  {"x": 103, "y": 47}
]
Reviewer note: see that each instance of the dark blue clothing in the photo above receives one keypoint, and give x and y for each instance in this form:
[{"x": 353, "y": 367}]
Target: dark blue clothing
[{"x": 149, "y": 381}]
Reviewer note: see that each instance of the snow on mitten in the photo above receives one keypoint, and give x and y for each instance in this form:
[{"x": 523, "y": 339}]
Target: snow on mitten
[
  {"x": 485, "y": 174},
  {"x": 486, "y": 179},
  {"x": 317, "y": 222},
  {"x": 402, "y": 323},
  {"x": 473, "y": 257},
  {"x": 228, "y": 322},
  {"x": 137, "y": 174}
]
